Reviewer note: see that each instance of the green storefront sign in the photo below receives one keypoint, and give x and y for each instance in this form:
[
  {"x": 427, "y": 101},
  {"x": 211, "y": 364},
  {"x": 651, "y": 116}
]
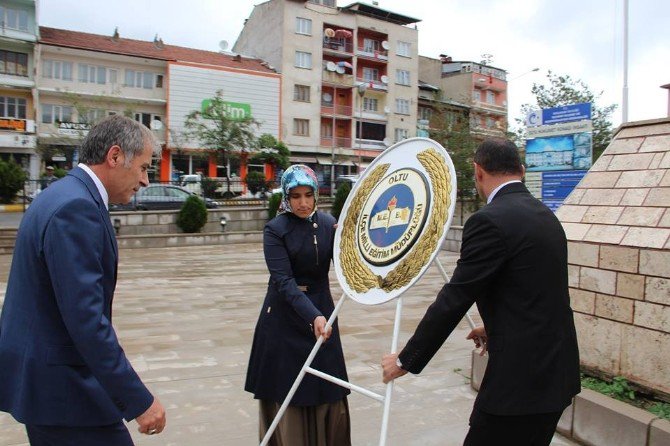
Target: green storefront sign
[{"x": 234, "y": 110}]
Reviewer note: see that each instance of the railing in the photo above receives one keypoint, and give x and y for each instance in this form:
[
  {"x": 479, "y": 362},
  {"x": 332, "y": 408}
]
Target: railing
[
  {"x": 379, "y": 54},
  {"x": 375, "y": 84},
  {"x": 332, "y": 77},
  {"x": 337, "y": 109},
  {"x": 329, "y": 141},
  {"x": 340, "y": 45}
]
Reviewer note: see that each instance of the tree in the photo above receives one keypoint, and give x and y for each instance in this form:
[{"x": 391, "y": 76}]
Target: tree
[
  {"x": 563, "y": 90},
  {"x": 340, "y": 198},
  {"x": 12, "y": 178},
  {"x": 220, "y": 131},
  {"x": 451, "y": 128},
  {"x": 272, "y": 152}
]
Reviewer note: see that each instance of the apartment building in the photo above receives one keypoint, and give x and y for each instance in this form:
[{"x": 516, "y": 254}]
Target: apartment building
[
  {"x": 436, "y": 112},
  {"x": 481, "y": 87},
  {"x": 18, "y": 35},
  {"x": 83, "y": 77},
  {"x": 349, "y": 78}
]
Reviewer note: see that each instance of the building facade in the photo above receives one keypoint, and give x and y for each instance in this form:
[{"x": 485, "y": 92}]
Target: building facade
[
  {"x": 82, "y": 78},
  {"x": 18, "y": 36},
  {"x": 349, "y": 78},
  {"x": 481, "y": 87}
]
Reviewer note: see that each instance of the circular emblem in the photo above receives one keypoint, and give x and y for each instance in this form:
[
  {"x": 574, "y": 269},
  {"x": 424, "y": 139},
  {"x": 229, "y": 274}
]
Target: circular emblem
[
  {"x": 394, "y": 220},
  {"x": 393, "y": 216}
]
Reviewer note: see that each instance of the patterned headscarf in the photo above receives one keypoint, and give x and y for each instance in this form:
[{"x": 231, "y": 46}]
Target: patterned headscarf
[{"x": 297, "y": 175}]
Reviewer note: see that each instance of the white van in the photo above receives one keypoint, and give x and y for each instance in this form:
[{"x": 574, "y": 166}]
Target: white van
[{"x": 192, "y": 183}]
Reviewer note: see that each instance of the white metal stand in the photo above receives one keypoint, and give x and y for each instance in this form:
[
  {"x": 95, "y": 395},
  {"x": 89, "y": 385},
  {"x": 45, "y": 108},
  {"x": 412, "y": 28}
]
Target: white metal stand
[{"x": 386, "y": 399}]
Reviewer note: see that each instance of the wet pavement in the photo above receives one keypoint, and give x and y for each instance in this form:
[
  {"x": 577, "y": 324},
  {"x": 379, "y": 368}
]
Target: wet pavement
[{"x": 185, "y": 317}]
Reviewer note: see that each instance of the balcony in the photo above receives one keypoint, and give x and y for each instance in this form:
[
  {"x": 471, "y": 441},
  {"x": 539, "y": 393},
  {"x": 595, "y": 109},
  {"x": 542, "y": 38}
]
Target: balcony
[
  {"x": 338, "y": 46},
  {"x": 374, "y": 54},
  {"x": 337, "y": 79},
  {"x": 374, "y": 84},
  {"x": 329, "y": 141},
  {"x": 328, "y": 108}
]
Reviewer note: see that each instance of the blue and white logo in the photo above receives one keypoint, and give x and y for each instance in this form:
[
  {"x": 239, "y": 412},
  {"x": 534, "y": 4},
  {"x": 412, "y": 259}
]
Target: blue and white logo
[{"x": 393, "y": 216}]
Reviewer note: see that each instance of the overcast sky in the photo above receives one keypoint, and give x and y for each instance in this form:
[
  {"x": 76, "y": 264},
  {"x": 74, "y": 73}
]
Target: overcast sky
[{"x": 580, "y": 38}]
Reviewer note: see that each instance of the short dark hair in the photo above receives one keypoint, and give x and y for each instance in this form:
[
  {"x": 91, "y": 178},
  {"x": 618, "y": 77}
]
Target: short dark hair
[
  {"x": 128, "y": 134},
  {"x": 499, "y": 157}
]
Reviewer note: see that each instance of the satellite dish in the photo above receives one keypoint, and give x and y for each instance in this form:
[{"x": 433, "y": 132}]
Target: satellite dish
[
  {"x": 385, "y": 44},
  {"x": 340, "y": 69},
  {"x": 387, "y": 109},
  {"x": 329, "y": 32},
  {"x": 387, "y": 142},
  {"x": 155, "y": 124},
  {"x": 385, "y": 79},
  {"x": 223, "y": 45},
  {"x": 327, "y": 97},
  {"x": 330, "y": 66}
]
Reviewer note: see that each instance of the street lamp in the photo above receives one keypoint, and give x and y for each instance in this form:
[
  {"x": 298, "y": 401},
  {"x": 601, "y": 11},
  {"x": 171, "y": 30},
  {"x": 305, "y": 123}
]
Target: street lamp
[
  {"x": 523, "y": 74},
  {"x": 117, "y": 225},
  {"x": 223, "y": 222},
  {"x": 362, "y": 88}
]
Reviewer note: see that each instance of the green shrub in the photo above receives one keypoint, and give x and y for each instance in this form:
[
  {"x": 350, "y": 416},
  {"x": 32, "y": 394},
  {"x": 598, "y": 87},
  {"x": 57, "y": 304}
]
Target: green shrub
[
  {"x": 12, "y": 179},
  {"x": 59, "y": 172},
  {"x": 209, "y": 186},
  {"x": 340, "y": 198},
  {"x": 256, "y": 182},
  {"x": 192, "y": 215},
  {"x": 273, "y": 205}
]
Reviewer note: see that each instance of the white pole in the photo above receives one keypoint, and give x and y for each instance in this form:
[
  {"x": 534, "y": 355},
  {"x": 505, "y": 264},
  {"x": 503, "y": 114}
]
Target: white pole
[
  {"x": 624, "y": 101},
  {"x": 389, "y": 386},
  {"x": 301, "y": 375}
]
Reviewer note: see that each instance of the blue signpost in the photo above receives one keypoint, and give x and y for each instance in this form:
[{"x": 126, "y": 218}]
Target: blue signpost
[{"x": 556, "y": 186}]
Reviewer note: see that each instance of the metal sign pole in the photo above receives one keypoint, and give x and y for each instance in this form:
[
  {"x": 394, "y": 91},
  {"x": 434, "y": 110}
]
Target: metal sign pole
[
  {"x": 436, "y": 261},
  {"x": 389, "y": 386}
]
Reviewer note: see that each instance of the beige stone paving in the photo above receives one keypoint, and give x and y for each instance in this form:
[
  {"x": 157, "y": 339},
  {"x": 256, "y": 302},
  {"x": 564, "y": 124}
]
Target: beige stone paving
[{"x": 185, "y": 317}]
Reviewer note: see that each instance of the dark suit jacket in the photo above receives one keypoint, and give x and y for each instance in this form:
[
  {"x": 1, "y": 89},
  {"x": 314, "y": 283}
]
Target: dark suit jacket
[
  {"x": 514, "y": 266},
  {"x": 283, "y": 337},
  {"x": 60, "y": 359}
]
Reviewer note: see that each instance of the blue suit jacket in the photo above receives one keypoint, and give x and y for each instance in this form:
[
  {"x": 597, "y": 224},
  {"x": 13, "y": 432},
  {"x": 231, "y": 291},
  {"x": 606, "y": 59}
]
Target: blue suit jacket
[{"x": 60, "y": 359}]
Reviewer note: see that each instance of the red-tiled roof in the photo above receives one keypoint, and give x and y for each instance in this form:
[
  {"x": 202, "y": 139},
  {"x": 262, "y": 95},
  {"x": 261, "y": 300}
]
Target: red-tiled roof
[{"x": 141, "y": 48}]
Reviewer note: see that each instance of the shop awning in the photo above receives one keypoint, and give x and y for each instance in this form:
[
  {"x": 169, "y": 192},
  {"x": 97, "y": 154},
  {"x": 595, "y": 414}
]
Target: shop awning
[
  {"x": 295, "y": 159},
  {"x": 327, "y": 161}
]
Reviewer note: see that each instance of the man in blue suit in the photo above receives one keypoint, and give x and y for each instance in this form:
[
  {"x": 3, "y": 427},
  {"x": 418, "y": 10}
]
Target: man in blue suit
[{"x": 62, "y": 371}]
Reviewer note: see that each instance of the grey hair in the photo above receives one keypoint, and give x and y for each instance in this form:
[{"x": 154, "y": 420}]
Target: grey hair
[{"x": 131, "y": 136}]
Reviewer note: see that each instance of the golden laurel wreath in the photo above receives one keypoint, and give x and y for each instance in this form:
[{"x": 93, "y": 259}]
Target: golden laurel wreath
[{"x": 359, "y": 277}]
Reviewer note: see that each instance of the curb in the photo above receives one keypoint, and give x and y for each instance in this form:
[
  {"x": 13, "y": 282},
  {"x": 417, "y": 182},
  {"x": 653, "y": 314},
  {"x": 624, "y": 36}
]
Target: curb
[{"x": 13, "y": 207}]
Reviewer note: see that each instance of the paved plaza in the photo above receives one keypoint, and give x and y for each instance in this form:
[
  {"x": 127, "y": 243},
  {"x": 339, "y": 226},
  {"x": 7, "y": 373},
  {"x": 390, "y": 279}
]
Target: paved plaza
[{"x": 185, "y": 317}]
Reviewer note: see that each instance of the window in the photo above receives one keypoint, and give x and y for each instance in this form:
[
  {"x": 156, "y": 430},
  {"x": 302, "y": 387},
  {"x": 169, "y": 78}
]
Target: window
[
  {"x": 56, "y": 69},
  {"x": 404, "y": 49},
  {"x": 402, "y": 106},
  {"x": 303, "y": 26},
  {"x": 401, "y": 134},
  {"x": 476, "y": 95},
  {"x": 12, "y": 107},
  {"x": 13, "y": 63},
  {"x": 141, "y": 79},
  {"x": 301, "y": 93},
  {"x": 92, "y": 74},
  {"x": 146, "y": 118},
  {"x": 370, "y": 104},
  {"x": 330, "y": 3},
  {"x": 402, "y": 77},
  {"x": 93, "y": 115},
  {"x": 301, "y": 127},
  {"x": 14, "y": 18},
  {"x": 112, "y": 76},
  {"x": 490, "y": 123},
  {"x": 425, "y": 113},
  {"x": 490, "y": 97},
  {"x": 370, "y": 74},
  {"x": 370, "y": 45},
  {"x": 303, "y": 59},
  {"x": 53, "y": 114},
  {"x": 159, "y": 81}
]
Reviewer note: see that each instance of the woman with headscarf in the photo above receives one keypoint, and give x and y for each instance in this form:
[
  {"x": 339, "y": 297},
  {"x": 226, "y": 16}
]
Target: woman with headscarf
[{"x": 298, "y": 248}]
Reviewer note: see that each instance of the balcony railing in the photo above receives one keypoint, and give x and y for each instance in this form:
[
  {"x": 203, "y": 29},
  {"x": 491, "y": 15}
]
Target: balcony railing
[
  {"x": 375, "y": 84},
  {"x": 340, "y": 45},
  {"x": 379, "y": 54},
  {"x": 328, "y": 108},
  {"x": 329, "y": 141},
  {"x": 332, "y": 77}
]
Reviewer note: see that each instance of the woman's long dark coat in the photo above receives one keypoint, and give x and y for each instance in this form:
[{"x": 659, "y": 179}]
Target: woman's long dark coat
[{"x": 298, "y": 253}]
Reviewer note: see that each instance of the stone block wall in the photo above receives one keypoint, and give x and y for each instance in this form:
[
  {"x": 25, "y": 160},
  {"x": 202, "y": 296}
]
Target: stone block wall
[{"x": 617, "y": 222}]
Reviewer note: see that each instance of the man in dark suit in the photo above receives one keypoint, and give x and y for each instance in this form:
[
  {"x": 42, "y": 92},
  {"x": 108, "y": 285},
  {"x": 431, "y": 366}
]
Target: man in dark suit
[
  {"x": 514, "y": 266},
  {"x": 62, "y": 371}
]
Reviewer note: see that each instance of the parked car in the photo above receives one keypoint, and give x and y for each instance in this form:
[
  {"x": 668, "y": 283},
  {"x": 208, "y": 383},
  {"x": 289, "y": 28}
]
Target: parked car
[{"x": 156, "y": 197}]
